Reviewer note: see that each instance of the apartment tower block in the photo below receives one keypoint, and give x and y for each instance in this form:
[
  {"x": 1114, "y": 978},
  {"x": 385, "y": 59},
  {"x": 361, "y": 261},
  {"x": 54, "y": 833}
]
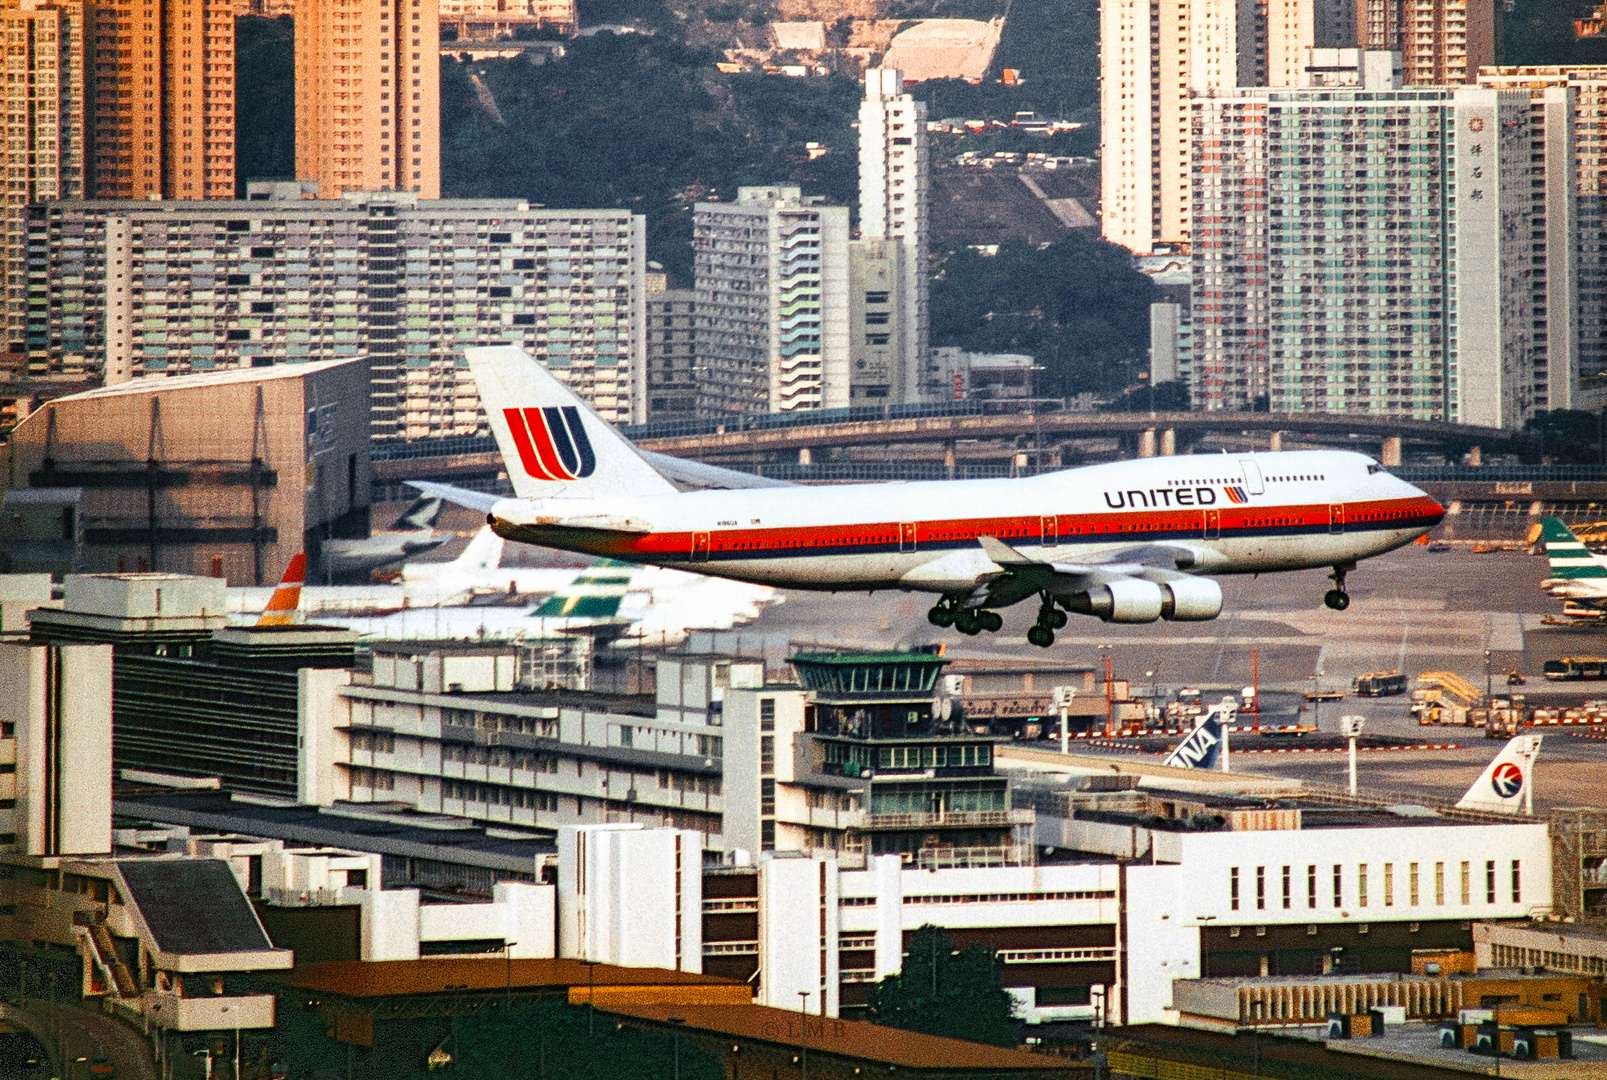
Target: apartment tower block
[
  {"x": 42, "y": 99},
  {"x": 1366, "y": 250},
  {"x": 894, "y": 204},
  {"x": 368, "y": 96}
]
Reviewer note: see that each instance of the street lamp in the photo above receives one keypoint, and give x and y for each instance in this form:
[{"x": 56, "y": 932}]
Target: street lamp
[
  {"x": 677, "y": 1021},
  {"x": 507, "y": 986},
  {"x": 1487, "y": 678},
  {"x": 803, "y": 1015},
  {"x": 591, "y": 998}
]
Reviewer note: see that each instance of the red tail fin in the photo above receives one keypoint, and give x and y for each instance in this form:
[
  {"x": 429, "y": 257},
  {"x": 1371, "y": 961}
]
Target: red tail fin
[{"x": 281, "y": 609}]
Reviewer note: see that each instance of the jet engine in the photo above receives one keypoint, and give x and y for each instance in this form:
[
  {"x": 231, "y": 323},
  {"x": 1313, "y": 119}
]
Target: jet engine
[
  {"x": 1191, "y": 600},
  {"x": 1125, "y": 600},
  {"x": 1134, "y": 600}
]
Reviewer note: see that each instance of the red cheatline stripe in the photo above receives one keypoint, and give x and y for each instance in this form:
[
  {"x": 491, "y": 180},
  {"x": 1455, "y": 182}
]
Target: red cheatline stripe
[{"x": 1185, "y": 524}]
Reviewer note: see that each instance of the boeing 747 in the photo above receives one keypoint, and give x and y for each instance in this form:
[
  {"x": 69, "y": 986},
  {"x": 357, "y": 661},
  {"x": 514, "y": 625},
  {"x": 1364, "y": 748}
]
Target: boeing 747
[{"x": 1127, "y": 542}]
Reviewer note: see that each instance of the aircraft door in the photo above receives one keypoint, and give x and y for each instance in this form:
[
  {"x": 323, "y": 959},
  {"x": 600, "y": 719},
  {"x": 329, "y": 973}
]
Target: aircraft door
[
  {"x": 1252, "y": 477},
  {"x": 906, "y": 536},
  {"x": 700, "y": 547},
  {"x": 1336, "y": 518},
  {"x": 1213, "y": 524},
  {"x": 1049, "y": 528}
]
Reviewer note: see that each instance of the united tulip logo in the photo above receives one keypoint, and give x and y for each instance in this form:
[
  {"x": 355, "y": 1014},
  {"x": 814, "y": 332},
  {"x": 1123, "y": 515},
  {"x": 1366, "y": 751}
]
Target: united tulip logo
[{"x": 552, "y": 443}]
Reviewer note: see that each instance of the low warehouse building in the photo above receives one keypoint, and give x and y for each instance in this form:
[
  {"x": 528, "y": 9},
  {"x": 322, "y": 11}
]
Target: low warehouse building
[{"x": 225, "y": 474}]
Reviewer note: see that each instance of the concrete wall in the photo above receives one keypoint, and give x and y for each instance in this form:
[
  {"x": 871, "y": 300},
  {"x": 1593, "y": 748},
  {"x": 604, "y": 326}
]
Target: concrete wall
[
  {"x": 56, "y": 725},
  {"x": 798, "y": 928},
  {"x": 631, "y": 896}
]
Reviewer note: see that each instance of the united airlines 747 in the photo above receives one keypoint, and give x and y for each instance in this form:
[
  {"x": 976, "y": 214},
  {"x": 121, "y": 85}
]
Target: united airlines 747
[{"x": 1128, "y": 542}]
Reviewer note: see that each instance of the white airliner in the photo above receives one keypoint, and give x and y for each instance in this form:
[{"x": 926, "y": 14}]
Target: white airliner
[
  {"x": 474, "y": 575},
  {"x": 1127, "y": 542}
]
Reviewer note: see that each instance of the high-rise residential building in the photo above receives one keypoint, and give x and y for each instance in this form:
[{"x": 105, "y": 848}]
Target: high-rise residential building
[
  {"x": 772, "y": 303},
  {"x": 672, "y": 383},
  {"x": 141, "y": 288},
  {"x": 1365, "y": 250},
  {"x": 368, "y": 96},
  {"x": 1442, "y": 42},
  {"x": 876, "y": 325},
  {"x": 1153, "y": 55},
  {"x": 1588, "y": 85},
  {"x": 42, "y": 98},
  {"x": 161, "y": 110},
  {"x": 894, "y": 204}
]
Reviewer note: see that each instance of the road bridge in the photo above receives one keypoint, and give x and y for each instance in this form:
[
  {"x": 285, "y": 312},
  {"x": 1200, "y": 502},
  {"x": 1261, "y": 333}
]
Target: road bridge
[{"x": 1156, "y": 433}]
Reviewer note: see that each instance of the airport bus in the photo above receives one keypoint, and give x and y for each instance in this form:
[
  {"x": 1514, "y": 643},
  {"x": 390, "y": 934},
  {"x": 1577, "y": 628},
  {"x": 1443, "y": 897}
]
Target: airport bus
[
  {"x": 1380, "y": 684},
  {"x": 1574, "y": 667}
]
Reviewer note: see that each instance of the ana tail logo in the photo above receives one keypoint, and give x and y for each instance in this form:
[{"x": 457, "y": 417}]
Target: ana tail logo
[
  {"x": 1507, "y": 780},
  {"x": 552, "y": 443},
  {"x": 1236, "y": 495}
]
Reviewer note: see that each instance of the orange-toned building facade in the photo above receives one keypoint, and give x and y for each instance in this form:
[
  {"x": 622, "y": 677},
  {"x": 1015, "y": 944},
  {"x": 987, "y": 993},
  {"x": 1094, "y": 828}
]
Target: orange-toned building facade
[
  {"x": 162, "y": 99},
  {"x": 368, "y": 96}
]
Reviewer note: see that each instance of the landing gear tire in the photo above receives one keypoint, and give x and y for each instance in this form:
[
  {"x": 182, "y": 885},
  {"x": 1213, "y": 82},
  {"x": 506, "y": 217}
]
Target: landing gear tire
[
  {"x": 1041, "y": 636},
  {"x": 1053, "y": 618},
  {"x": 1336, "y": 597},
  {"x": 967, "y": 623},
  {"x": 991, "y": 621},
  {"x": 941, "y": 615}
]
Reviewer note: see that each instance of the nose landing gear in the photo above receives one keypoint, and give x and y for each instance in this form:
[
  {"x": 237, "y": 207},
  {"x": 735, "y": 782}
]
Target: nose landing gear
[{"x": 1336, "y": 597}]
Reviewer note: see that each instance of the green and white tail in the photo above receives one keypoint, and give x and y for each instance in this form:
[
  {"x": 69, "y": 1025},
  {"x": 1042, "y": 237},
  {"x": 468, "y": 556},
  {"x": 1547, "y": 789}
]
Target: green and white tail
[
  {"x": 596, "y": 593},
  {"x": 1570, "y": 559}
]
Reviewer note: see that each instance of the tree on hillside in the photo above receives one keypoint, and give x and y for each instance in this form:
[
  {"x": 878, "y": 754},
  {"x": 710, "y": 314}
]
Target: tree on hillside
[
  {"x": 941, "y": 991},
  {"x": 644, "y": 123},
  {"x": 1078, "y": 306},
  {"x": 1569, "y": 436}
]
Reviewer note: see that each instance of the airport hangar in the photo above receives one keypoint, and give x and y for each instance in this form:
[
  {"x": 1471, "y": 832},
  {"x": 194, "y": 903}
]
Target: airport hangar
[{"x": 223, "y": 474}]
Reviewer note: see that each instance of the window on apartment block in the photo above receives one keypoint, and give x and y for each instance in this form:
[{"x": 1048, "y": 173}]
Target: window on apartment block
[
  {"x": 1311, "y": 885},
  {"x": 1361, "y": 885},
  {"x": 1467, "y": 883},
  {"x": 1489, "y": 881},
  {"x": 1233, "y": 888},
  {"x": 1339, "y": 886},
  {"x": 1260, "y": 887},
  {"x": 1517, "y": 881},
  {"x": 1287, "y": 895}
]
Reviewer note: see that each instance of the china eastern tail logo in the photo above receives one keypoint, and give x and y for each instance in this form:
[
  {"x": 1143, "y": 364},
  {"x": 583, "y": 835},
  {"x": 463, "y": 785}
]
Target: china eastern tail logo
[
  {"x": 1236, "y": 495},
  {"x": 1507, "y": 780},
  {"x": 552, "y": 443}
]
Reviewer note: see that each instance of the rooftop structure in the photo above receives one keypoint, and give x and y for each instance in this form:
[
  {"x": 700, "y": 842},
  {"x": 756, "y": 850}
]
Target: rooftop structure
[
  {"x": 758, "y": 1036},
  {"x": 158, "y": 935}
]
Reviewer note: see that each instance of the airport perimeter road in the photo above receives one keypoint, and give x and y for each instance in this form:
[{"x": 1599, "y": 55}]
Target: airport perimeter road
[{"x": 85, "y": 1034}]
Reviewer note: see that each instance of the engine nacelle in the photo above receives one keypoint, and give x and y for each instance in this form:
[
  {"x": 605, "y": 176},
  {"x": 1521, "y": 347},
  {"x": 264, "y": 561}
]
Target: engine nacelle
[
  {"x": 1125, "y": 600},
  {"x": 1191, "y": 600}
]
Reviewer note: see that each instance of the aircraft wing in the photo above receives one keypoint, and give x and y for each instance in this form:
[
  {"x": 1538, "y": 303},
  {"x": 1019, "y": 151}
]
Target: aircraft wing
[
  {"x": 1135, "y": 584},
  {"x": 473, "y": 500}
]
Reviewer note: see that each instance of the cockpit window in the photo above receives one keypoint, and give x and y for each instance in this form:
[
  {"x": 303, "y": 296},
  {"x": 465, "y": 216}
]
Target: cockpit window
[{"x": 1371, "y": 469}]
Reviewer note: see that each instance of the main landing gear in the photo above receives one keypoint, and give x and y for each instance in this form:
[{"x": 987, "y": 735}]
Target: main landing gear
[
  {"x": 1050, "y": 619},
  {"x": 1336, "y": 597},
  {"x": 968, "y": 621}
]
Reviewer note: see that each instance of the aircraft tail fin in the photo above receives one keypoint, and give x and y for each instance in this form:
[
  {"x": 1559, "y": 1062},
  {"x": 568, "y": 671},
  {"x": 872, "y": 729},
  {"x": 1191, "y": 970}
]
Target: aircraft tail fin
[
  {"x": 1506, "y": 784},
  {"x": 420, "y": 514},
  {"x": 1570, "y": 559},
  {"x": 1203, "y": 747},
  {"x": 595, "y": 593},
  {"x": 483, "y": 552},
  {"x": 282, "y": 605},
  {"x": 553, "y": 444}
]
